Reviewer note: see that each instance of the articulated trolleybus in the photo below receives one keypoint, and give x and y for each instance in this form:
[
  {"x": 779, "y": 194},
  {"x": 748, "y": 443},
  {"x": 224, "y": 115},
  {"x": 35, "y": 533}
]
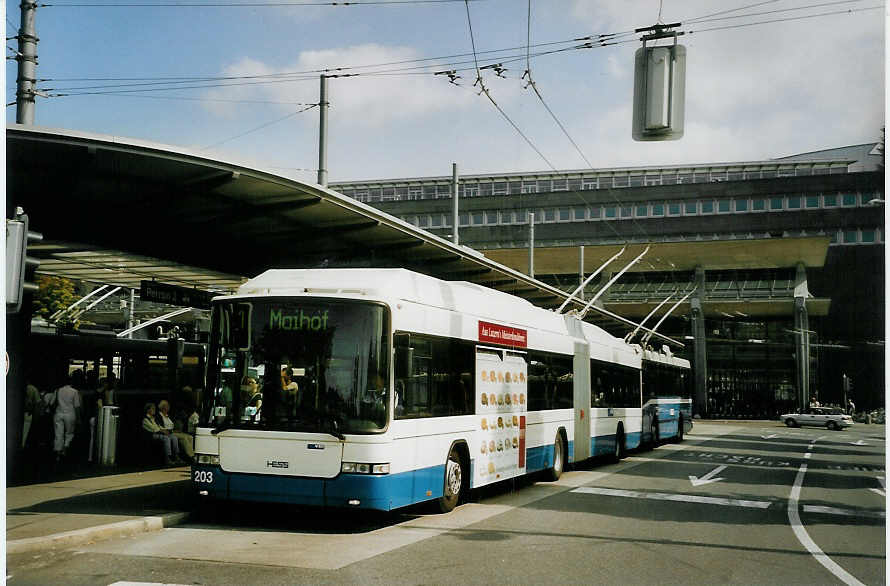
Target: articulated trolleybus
[{"x": 377, "y": 389}]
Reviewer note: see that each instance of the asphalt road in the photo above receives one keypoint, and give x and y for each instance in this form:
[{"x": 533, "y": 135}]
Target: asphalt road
[{"x": 736, "y": 503}]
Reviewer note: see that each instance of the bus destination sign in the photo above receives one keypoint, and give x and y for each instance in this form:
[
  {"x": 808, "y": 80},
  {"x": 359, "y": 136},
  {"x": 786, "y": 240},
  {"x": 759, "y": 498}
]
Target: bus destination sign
[
  {"x": 174, "y": 295},
  {"x": 505, "y": 335}
]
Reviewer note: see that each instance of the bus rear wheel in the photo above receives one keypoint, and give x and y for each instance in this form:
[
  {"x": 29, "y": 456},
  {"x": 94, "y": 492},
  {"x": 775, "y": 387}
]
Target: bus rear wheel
[
  {"x": 680, "y": 430},
  {"x": 454, "y": 482},
  {"x": 654, "y": 438},
  {"x": 559, "y": 458}
]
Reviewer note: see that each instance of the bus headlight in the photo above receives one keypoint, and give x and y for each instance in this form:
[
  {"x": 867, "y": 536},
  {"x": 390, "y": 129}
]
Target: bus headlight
[
  {"x": 362, "y": 468},
  {"x": 211, "y": 459}
]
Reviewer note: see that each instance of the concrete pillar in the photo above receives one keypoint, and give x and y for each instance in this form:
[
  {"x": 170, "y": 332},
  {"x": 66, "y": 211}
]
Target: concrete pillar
[
  {"x": 700, "y": 354},
  {"x": 581, "y": 270},
  {"x": 802, "y": 336}
]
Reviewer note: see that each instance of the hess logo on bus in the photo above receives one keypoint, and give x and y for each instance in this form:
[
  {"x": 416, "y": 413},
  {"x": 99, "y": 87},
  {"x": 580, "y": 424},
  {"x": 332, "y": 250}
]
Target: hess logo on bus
[{"x": 277, "y": 464}]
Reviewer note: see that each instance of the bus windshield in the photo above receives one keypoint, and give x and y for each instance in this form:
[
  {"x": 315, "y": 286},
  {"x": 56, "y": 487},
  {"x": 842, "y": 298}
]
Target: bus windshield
[{"x": 289, "y": 364}]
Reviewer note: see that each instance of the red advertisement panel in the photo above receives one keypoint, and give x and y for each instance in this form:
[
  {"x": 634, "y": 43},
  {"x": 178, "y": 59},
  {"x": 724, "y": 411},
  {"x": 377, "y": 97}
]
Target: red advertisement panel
[{"x": 505, "y": 335}]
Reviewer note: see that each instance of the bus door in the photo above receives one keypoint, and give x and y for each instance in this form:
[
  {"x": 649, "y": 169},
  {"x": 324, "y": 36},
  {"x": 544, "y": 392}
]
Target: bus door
[
  {"x": 501, "y": 407},
  {"x": 581, "y": 386}
]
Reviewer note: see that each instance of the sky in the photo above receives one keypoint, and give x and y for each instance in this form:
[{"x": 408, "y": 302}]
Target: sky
[{"x": 753, "y": 92}]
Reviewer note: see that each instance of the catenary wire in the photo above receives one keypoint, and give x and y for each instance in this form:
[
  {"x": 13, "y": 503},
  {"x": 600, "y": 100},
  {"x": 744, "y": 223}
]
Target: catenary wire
[
  {"x": 777, "y": 11},
  {"x": 241, "y": 4},
  {"x": 790, "y": 18},
  {"x": 528, "y": 73},
  {"x": 64, "y": 92},
  {"x": 691, "y": 20},
  {"x": 196, "y": 99},
  {"x": 188, "y": 79},
  {"x": 260, "y": 127},
  {"x": 490, "y": 99},
  {"x": 293, "y": 76}
]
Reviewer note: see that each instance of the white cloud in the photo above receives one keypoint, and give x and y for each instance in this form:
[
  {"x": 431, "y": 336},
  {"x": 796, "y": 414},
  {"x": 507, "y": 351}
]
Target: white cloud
[
  {"x": 616, "y": 68},
  {"x": 368, "y": 101}
]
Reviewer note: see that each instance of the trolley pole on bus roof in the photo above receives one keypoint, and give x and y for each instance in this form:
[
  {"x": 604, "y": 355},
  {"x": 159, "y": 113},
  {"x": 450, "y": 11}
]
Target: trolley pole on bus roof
[
  {"x": 454, "y": 237},
  {"x": 26, "y": 56},
  {"x": 323, "y": 132}
]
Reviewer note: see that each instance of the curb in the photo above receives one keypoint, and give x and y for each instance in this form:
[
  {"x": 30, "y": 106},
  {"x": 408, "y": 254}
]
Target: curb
[{"x": 97, "y": 533}]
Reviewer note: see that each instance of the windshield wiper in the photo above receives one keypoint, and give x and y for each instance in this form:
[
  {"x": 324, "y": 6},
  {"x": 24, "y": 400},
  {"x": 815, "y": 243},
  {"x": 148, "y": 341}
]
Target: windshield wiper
[{"x": 334, "y": 422}]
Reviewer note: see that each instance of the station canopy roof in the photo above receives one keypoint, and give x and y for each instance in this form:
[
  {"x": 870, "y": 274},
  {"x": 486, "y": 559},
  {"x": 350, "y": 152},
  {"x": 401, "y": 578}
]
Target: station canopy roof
[{"x": 118, "y": 211}]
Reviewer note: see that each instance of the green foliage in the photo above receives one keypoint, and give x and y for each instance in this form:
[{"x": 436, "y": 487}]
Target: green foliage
[{"x": 54, "y": 293}]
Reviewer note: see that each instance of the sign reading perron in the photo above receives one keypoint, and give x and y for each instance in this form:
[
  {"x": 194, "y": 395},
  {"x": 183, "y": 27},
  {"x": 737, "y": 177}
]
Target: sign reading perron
[{"x": 174, "y": 295}]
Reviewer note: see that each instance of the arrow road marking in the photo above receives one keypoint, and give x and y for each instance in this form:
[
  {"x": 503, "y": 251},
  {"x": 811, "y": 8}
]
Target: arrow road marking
[
  {"x": 707, "y": 478},
  {"x": 858, "y": 443}
]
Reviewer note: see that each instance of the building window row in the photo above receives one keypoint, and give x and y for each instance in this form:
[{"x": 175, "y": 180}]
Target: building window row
[
  {"x": 857, "y": 236},
  {"x": 657, "y": 209},
  {"x": 475, "y": 188}
]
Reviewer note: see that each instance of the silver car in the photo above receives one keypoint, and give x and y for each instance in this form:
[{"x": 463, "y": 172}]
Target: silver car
[{"x": 829, "y": 417}]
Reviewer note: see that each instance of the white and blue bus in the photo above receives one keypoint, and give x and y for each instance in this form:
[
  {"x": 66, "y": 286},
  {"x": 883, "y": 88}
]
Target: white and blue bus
[{"x": 380, "y": 388}]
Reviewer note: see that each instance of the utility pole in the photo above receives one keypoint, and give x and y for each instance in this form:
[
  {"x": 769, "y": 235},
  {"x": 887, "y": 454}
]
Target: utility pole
[
  {"x": 531, "y": 244},
  {"x": 27, "y": 71},
  {"x": 454, "y": 236},
  {"x": 323, "y": 132}
]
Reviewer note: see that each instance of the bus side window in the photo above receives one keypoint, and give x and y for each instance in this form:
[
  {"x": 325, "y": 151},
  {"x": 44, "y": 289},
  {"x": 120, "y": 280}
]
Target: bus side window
[{"x": 538, "y": 399}]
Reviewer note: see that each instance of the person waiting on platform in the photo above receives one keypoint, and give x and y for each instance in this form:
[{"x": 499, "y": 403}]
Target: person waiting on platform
[
  {"x": 159, "y": 435},
  {"x": 67, "y": 413},
  {"x": 186, "y": 442}
]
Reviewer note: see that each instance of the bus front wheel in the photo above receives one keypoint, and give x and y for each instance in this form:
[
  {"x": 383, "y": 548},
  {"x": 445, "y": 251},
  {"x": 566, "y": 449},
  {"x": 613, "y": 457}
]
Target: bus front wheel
[
  {"x": 454, "y": 482},
  {"x": 559, "y": 458}
]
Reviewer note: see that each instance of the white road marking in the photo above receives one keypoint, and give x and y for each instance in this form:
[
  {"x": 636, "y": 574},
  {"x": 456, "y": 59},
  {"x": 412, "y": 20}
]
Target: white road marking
[
  {"x": 707, "y": 478},
  {"x": 808, "y": 455},
  {"x": 663, "y": 496},
  {"x": 844, "y": 512},
  {"x": 144, "y": 584},
  {"x": 804, "y": 538},
  {"x": 881, "y": 491},
  {"x": 858, "y": 443},
  {"x": 770, "y": 436}
]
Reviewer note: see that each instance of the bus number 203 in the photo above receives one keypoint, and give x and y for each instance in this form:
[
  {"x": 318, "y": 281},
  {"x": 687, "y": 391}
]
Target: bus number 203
[{"x": 204, "y": 476}]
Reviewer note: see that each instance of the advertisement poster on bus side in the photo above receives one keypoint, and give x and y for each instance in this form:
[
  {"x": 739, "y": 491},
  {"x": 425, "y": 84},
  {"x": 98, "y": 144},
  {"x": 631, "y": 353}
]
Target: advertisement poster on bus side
[{"x": 501, "y": 405}]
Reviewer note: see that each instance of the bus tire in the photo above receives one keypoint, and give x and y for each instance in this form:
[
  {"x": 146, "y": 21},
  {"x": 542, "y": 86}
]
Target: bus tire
[
  {"x": 559, "y": 458},
  {"x": 619, "y": 454},
  {"x": 679, "y": 430},
  {"x": 454, "y": 481}
]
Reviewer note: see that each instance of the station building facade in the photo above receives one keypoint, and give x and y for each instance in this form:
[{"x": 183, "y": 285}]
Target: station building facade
[{"x": 783, "y": 260}]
